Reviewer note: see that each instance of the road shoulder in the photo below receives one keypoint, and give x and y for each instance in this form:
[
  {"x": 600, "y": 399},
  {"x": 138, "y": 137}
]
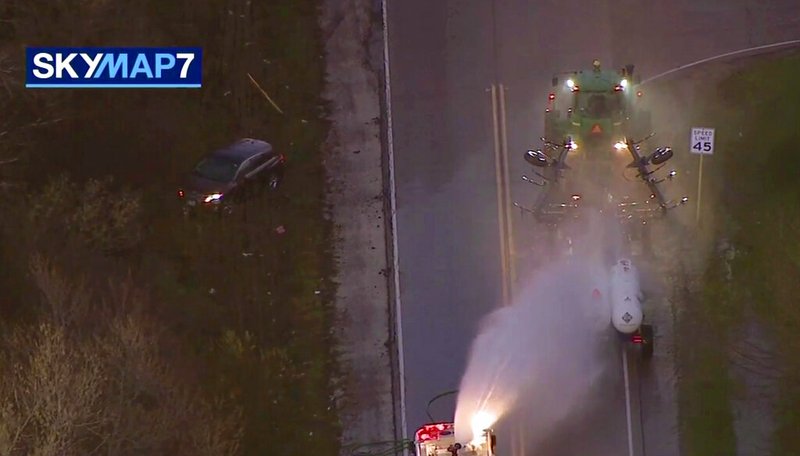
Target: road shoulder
[{"x": 355, "y": 188}]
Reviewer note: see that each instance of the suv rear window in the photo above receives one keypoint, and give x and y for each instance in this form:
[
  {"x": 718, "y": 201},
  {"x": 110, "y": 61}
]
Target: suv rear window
[{"x": 217, "y": 169}]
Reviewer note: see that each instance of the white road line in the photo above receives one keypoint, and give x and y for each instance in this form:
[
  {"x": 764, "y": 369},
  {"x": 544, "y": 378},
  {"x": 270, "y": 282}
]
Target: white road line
[
  {"x": 507, "y": 195},
  {"x": 722, "y": 56},
  {"x": 627, "y": 400},
  {"x": 501, "y": 219},
  {"x": 393, "y": 210}
]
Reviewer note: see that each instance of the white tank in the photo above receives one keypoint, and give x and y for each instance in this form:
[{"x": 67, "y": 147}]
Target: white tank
[{"x": 626, "y": 305}]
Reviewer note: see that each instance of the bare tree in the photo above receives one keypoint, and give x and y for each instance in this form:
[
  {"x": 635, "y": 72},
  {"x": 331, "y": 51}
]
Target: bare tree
[
  {"x": 23, "y": 113},
  {"x": 107, "y": 391},
  {"x": 51, "y": 400},
  {"x": 65, "y": 303},
  {"x": 105, "y": 220}
]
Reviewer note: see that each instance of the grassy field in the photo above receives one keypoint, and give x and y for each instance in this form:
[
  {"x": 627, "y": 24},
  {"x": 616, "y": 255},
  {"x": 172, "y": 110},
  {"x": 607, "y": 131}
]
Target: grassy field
[
  {"x": 705, "y": 386},
  {"x": 252, "y": 307},
  {"x": 756, "y": 181}
]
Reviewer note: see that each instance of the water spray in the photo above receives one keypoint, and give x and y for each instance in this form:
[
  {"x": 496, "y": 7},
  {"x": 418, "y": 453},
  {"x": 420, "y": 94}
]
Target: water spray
[{"x": 536, "y": 359}]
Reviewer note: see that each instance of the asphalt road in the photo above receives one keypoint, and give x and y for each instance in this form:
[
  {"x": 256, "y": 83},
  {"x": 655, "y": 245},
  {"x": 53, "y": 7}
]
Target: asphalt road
[{"x": 445, "y": 55}]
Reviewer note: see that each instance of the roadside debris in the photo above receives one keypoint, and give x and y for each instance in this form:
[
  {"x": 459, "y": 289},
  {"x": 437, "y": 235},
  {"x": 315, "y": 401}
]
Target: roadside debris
[{"x": 264, "y": 93}]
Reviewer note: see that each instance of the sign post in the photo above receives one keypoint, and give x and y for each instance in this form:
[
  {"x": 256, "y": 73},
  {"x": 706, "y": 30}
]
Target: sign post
[{"x": 702, "y": 143}]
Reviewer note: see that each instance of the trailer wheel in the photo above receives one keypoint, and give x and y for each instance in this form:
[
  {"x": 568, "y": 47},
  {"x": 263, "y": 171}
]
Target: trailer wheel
[{"x": 648, "y": 343}]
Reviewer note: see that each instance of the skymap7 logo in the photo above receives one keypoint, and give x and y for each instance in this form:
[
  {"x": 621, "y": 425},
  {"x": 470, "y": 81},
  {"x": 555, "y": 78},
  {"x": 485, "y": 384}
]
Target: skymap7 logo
[{"x": 113, "y": 67}]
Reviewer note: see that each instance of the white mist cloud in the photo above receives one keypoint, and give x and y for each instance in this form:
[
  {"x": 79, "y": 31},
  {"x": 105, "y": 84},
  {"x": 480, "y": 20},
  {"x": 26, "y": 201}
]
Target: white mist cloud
[{"x": 539, "y": 357}]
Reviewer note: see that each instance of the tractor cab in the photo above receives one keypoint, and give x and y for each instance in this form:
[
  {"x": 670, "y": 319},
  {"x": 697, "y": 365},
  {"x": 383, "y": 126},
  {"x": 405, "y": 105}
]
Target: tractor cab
[
  {"x": 594, "y": 107},
  {"x": 438, "y": 439}
]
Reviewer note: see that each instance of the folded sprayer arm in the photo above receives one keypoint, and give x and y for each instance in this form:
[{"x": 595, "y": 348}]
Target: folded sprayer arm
[{"x": 553, "y": 170}]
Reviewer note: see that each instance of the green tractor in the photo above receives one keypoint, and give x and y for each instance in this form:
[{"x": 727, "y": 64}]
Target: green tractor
[{"x": 595, "y": 110}]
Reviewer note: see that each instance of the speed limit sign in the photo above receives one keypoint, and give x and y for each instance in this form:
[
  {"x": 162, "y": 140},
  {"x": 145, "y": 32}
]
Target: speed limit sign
[{"x": 702, "y": 141}]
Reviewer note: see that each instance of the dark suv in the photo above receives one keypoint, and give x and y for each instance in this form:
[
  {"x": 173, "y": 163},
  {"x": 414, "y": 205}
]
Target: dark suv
[{"x": 231, "y": 175}]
